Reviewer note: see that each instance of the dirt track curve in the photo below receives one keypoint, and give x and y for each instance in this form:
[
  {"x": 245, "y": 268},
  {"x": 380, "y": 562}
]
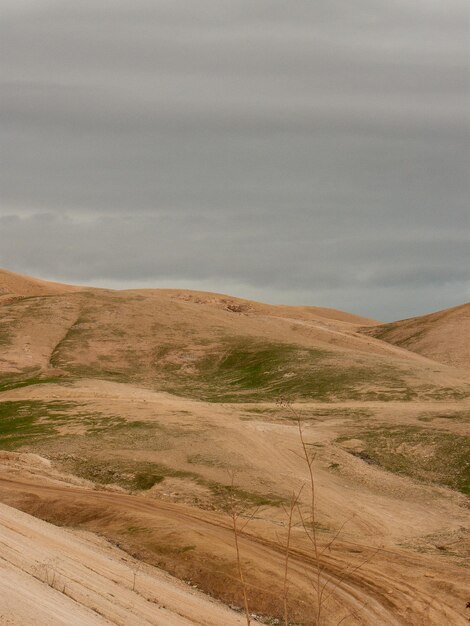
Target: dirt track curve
[{"x": 371, "y": 589}]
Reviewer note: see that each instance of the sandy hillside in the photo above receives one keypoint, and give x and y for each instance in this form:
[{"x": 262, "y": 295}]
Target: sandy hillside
[
  {"x": 240, "y": 305},
  {"x": 211, "y": 347},
  {"x": 51, "y": 576},
  {"x": 443, "y": 336},
  {"x": 161, "y": 466},
  {"x": 14, "y": 285},
  {"x": 139, "y": 416}
]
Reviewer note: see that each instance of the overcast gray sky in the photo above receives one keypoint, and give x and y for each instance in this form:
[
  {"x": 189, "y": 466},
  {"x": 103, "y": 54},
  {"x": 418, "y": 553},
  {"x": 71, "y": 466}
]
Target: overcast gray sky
[{"x": 299, "y": 152}]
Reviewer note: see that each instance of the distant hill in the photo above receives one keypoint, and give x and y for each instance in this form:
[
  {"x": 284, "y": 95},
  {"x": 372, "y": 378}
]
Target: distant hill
[
  {"x": 443, "y": 336},
  {"x": 13, "y": 285},
  {"x": 205, "y": 346}
]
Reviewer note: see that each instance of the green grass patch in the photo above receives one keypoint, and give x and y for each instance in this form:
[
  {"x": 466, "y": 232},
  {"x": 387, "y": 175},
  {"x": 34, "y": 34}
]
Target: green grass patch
[
  {"x": 6, "y": 334},
  {"x": 446, "y": 393},
  {"x": 385, "y": 332},
  {"x": 255, "y": 371},
  {"x": 459, "y": 416},
  {"x": 307, "y": 414},
  {"x": 25, "y": 422},
  {"x": 206, "y": 460},
  {"x": 433, "y": 456},
  {"x": 31, "y": 422},
  {"x": 134, "y": 475},
  {"x": 146, "y": 480},
  {"x": 26, "y": 379},
  {"x": 75, "y": 334},
  {"x": 143, "y": 475}
]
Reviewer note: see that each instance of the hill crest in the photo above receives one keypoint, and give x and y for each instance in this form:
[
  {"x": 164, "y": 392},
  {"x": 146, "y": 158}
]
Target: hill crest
[{"x": 443, "y": 336}]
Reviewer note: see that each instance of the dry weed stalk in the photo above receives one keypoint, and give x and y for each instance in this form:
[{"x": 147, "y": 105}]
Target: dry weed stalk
[
  {"x": 323, "y": 587},
  {"x": 136, "y": 566},
  {"x": 47, "y": 573},
  {"x": 237, "y": 510},
  {"x": 293, "y": 503}
]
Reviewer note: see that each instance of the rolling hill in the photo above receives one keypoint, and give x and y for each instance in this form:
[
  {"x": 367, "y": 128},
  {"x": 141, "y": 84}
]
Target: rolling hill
[
  {"x": 207, "y": 346},
  {"x": 14, "y": 285},
  {"x": 138, "y": 416},
  {"x": 443, "y": 336}
]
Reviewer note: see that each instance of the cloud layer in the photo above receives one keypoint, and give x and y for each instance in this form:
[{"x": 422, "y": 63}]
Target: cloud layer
[{"x": 313, "y": 153}]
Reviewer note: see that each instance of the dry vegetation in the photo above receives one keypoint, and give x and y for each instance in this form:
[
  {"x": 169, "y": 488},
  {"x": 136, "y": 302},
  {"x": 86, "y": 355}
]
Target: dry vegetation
[
  {"x": 349, "y": 505},
  {"x": 443, "y": 336}
]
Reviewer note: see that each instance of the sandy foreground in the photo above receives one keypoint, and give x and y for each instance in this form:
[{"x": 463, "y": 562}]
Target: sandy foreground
[{"x": 52, "y": 576}]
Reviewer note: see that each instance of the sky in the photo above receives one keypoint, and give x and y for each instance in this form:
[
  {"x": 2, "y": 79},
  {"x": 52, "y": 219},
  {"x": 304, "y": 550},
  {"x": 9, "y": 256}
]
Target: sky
[{"x": 291, "y": 152}]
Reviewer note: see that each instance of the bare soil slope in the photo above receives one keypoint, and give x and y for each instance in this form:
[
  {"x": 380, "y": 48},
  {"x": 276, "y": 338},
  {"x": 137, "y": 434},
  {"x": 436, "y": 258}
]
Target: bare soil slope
[
  {"x": 210, "y": 347},
  {"x": 443, "y": 336},
  {"x": 13, "y": 285},
  {"x": 124, "y": 413},
  {"x": 51, "y": 576},
  {"x": 149, "y": 471}
]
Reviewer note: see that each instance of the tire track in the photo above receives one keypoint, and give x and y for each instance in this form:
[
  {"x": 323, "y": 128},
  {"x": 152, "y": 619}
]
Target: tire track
[{"x": 379, "y": 597}]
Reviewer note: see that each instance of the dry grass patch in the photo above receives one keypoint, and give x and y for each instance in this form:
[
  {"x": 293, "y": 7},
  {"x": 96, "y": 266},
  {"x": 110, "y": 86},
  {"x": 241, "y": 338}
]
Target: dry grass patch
[{"x": 433, "y": 456}]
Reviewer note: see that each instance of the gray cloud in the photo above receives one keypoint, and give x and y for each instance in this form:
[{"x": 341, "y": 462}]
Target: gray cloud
[{"x": 296, "y": 153}]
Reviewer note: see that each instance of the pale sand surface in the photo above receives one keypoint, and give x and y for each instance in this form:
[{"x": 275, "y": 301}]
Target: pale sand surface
[{"x": 52, "y": 576}]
